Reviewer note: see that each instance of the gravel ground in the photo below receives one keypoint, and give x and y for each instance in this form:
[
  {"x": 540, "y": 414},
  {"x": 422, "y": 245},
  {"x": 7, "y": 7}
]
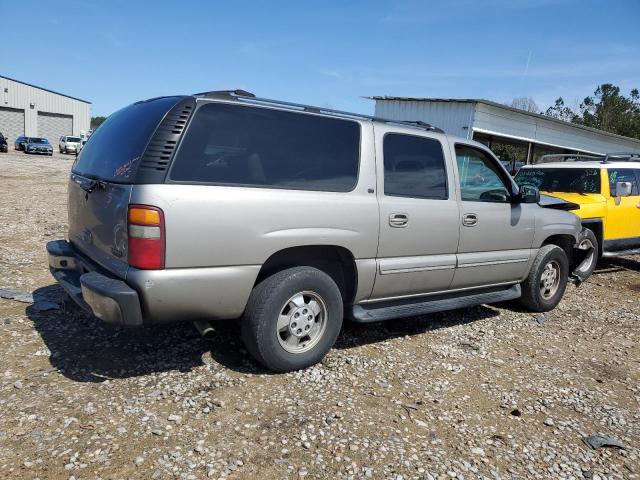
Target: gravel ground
[{"x": 486, "y": 392}]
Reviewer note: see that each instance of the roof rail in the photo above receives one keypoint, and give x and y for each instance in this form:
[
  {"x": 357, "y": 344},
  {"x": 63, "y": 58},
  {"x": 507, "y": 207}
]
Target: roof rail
[
  {"x": 248, "y": 97},
  {"x": 569, "y": 157},
  {"x": 602, "y": 158},
  {"x": 225, "y": 94},
  {"x": 622, "y": 157}
]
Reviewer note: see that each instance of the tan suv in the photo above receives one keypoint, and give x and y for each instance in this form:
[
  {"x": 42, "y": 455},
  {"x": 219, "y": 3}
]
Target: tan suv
[{"x": 222, "y": 205}]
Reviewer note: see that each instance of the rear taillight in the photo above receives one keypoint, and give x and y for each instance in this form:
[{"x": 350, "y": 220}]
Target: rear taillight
[{"x": 146, "y": 237}]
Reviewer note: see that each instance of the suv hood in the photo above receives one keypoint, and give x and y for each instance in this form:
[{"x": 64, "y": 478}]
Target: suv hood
[{"x": 579, "y": 198}]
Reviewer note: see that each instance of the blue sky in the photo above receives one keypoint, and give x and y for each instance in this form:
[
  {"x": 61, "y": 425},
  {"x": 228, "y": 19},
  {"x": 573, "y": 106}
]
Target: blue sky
[{"x": 329, "y": 53}]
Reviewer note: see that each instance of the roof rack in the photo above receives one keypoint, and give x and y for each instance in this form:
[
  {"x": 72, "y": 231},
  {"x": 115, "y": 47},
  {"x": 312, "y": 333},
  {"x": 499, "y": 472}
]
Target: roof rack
[
  {"x": 622, "y": 157},
  {"x": 577, "y": 157},
  {"x": 248, "y": 97},
  {"x": 568, "y": 157}
]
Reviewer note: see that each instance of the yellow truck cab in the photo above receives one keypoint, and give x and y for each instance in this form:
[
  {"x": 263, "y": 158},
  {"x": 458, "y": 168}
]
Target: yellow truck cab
[{"x": 607, "y": 189}]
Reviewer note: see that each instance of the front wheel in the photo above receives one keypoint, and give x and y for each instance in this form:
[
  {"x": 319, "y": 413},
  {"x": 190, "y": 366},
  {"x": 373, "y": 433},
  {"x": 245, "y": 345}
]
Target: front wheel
[
  {"x": 547, "y": 280},
  {"x": 292, "y": 319},
  {"x": 586, "y": 255}
]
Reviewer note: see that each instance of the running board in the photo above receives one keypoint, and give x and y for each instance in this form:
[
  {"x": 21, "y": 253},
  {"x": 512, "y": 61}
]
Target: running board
[
  {"x": 621, "y": 253},
  {"x": 377, "y": 312}
]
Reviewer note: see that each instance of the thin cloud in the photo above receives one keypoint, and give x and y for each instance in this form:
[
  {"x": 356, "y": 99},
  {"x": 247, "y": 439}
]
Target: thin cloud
[{"x": 330, "y": 73}]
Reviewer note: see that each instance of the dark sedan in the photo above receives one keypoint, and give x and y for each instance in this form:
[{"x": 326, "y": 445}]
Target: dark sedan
[
  {"x": 38, "y": 145},
  {"x": 3, "y": 144},
  {"x": 20, "y": 142}
]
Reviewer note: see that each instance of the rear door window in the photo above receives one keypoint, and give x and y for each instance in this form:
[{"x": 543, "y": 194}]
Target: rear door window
[
  {"x": 113, "y": 152},
  {"x": 414, "y": 167},
  {"x": 250, "y": 146}
]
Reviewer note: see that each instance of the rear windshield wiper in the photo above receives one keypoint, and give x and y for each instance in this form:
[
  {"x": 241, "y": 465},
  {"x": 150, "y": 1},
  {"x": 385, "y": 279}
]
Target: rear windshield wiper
[{"x": 90, "y": 184}]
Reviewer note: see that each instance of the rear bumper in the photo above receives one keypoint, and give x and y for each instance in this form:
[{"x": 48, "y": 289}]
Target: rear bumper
[
  {"x": 108, "y": 298},
  {"x": 152, "y": 296}
]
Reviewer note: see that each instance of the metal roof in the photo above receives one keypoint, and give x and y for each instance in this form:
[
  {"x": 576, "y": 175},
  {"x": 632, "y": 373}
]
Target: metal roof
[
  {"x": 45, "y": 89},
  {"x": 505, "y": 107}
]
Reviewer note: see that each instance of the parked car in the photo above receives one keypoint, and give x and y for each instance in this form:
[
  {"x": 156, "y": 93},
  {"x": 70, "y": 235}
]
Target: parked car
[
  {"x": 38, "y": 145},
  {"x": 69, "y": 144},
  {"x": 221, "y": 205},
  {"x": 20, "y": 142},
  {"x": 606, "y": 187},
  {"x": 3, "y": 144}
]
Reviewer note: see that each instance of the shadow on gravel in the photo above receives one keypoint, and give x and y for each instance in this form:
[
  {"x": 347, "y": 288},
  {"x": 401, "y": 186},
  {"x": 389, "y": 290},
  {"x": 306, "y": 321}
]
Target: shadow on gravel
[
  {"x": 355, "y": 334},
  {"x": 84, "y": 349},
  {"x": 619, "y": 263}
]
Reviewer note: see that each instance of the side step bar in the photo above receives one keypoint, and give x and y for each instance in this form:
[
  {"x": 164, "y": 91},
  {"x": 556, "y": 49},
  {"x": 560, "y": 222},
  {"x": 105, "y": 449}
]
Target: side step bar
[
  {"x": 377, "y": 312},
  {"x": 621, "y": 253}
]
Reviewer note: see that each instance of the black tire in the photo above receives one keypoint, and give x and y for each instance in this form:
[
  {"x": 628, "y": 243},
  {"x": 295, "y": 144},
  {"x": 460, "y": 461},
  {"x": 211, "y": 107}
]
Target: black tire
[
  {"x": 265, "y": 305},
  {"x": 532, "y": 296},
  {"x": 586, "y": 260}
]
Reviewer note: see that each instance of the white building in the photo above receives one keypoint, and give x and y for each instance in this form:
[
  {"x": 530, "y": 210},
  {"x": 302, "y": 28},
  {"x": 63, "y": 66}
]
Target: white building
[
  {"x": 37, "y": 112},
  {"x": 515, "y": 133}
]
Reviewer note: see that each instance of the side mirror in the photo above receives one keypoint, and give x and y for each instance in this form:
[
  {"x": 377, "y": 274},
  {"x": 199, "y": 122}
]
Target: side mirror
[
  {"x": 528, "y": 194},
  {"x": 623, "y": 189}
]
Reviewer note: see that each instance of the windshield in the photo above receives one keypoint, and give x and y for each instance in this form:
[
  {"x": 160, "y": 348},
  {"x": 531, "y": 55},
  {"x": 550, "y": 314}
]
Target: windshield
[
  {"x": 73, "y": 139},
  {"x": 38, "y": 140},
  {"x": 561, "y": 180},
  {"x": 113, "y": 152}
]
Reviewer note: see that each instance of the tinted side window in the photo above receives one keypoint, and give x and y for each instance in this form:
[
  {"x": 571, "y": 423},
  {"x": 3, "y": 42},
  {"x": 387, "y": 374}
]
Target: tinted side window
[
  {"x": 240, "y": 145},
  {"x": 479, "y": 177},
  {"x": 414, "y": 167},
  {"x": 623, "y": 175}
]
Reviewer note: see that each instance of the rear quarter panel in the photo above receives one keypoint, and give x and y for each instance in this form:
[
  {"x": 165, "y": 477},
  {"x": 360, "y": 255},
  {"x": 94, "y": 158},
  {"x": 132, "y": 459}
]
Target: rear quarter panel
[{"x": 210, "y": 226}]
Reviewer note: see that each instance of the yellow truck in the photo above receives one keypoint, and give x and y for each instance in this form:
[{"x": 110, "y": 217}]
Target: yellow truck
[{"x": 606, "y": 188}]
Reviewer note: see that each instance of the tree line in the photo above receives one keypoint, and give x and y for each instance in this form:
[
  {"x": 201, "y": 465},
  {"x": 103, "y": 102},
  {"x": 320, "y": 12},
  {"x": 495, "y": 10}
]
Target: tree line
[{"x": 607, "y": 109}]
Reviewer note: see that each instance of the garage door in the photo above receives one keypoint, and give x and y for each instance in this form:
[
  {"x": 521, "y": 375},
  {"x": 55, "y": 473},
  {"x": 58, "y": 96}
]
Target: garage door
[
  {"x": 53, "y": 125},
  {"x": 11, "y": 123}
]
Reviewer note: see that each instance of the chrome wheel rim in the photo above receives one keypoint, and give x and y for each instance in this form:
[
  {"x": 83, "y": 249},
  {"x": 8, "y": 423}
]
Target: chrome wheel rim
[
  {"x": 301, "y": 322},
  {"x": 550, "y": 279}
]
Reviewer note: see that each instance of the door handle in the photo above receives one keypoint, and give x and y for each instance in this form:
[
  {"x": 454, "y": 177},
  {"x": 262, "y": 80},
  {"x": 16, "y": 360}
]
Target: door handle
[
  {"x": 469, "y": 220},
  {"x": 638, "y": 205},
  {"x": 398, "y": 220}
]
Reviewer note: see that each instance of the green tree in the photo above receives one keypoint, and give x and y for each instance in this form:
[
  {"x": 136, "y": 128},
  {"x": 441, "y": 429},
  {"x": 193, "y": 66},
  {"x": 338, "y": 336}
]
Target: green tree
[
  {"x": 607, "y": 109},
  {"x": 561, "y": 111},
  {"x": 96, "y": 122}
]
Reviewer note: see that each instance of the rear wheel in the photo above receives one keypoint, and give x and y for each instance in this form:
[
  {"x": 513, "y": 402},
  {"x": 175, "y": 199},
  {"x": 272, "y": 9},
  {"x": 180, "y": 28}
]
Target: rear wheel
[
  {"x": 292, "y": 318},
  {"x": 544, "y": 287}
]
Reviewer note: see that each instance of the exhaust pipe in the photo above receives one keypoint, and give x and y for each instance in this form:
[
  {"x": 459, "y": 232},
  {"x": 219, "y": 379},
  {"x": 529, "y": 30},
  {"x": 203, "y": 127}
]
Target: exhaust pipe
[{"x": 205, "y": 328}]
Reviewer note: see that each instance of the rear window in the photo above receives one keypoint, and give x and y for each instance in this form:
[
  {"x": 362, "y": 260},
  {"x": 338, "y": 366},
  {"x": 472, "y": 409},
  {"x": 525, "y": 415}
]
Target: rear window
[
  {"x": 113, "y": 152},
  {"x": 73, "y": 139},
  {"x": 250, "y": 146}
]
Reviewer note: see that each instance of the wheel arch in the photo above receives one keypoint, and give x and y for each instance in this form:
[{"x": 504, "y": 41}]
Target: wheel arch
[
  {"x": 597, "y": 227},
  {"x": 336, "y": 261},
  {"x": 564, "y": 241}
]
